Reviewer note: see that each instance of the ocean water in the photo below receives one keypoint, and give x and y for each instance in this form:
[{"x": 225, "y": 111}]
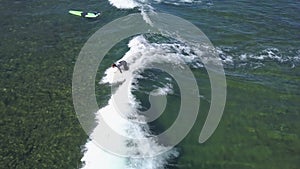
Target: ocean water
[{"x": 258, "y": 44}]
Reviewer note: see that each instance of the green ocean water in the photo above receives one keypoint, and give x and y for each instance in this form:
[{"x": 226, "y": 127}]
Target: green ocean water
[{"x": 260, "y": 127}]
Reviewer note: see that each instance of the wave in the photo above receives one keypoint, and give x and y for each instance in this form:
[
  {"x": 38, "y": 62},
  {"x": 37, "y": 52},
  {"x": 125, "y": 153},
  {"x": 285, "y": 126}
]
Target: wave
[
  {"x": 124, "y": 4},
  {"x": 130, "y": 4},
  {"x": 185, "y": 2},
  {"x": 127, "y": 4},
  {"x": 141, "y": 55},
  {"x": 270, "y": 53},
  {"x": 259, "y": 59}
]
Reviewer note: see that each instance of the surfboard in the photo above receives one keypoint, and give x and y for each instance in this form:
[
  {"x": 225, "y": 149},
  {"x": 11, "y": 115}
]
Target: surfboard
[{"x": 85, "y": 14}]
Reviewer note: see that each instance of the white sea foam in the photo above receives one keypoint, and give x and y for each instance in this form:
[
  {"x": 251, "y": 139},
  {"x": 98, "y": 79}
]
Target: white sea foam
[
  {"x": 124, "y": 4},
  {"x": 97, "y": 158},
  {"x": 130, "y": 4},
  {"x": 182, "y": 2},
  {"x": 167, "y": 89},
  {"x": 227, "y": 59},
  {"x": 122, "y": 108},
  {"x": 259, "y": 59}
]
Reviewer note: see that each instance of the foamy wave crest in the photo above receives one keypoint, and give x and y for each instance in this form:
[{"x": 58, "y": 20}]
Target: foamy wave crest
[
  {"x": 130, "y": 4},
  {"x": 145, "y": 6},
  {"x": 143, "y": 53},
  {"x": 271, "y": 53},
  {"x": 130, "y": 123},
  {"x": 127, "y": 4},
  {"x": 182, "y": 2},
  {"x": 259, "y": 59}
]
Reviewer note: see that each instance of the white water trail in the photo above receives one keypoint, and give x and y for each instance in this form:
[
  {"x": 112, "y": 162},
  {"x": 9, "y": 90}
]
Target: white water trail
[{"x": 141, "y": 54}]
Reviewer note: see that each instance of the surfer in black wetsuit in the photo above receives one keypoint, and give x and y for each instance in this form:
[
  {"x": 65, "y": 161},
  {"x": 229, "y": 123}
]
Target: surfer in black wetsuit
[{"x": 121, "y": 63}]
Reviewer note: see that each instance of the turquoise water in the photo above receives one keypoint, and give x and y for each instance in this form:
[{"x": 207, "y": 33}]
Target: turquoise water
[{"x": 259, "y": 43}]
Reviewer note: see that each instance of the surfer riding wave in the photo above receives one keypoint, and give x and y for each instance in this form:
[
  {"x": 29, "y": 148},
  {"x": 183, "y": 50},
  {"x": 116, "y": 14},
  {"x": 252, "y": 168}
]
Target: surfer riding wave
[{"x": 120, "y": 64}]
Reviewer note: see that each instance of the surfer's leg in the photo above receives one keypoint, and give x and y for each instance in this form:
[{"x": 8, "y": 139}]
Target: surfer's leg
[{"x": 125, "y": 65}]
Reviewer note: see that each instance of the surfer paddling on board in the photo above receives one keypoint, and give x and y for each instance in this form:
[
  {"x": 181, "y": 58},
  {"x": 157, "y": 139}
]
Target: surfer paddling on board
[{"x": 121, "y": 63}]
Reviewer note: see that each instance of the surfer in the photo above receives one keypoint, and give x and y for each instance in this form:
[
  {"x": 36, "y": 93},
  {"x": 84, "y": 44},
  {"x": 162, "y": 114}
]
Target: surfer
[{"x": 121, "y": 63}]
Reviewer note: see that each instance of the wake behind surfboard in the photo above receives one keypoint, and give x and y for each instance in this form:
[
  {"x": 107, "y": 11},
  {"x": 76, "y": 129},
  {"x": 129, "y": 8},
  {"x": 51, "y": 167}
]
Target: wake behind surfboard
[{"x": 85, "y": 14}]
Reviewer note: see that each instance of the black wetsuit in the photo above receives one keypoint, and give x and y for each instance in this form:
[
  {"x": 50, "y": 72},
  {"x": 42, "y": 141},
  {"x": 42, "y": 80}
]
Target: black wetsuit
[{"x": 122, "y": 63}]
